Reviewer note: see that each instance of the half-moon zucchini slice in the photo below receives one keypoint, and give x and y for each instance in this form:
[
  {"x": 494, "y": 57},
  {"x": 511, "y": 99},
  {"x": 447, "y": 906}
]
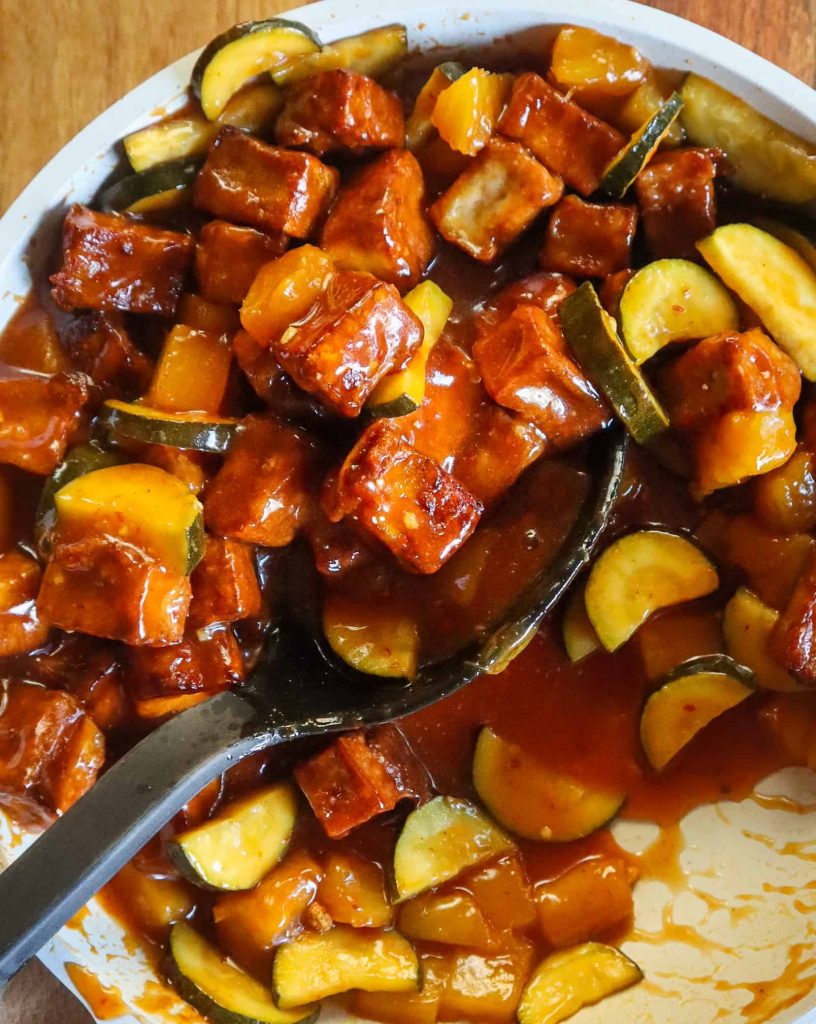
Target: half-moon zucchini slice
[
  {"x": 162, "y": 187},
  {"x": 691, "y": 696},
  {"x": 623, "y": 168},
  {"x": 640, "y": 573},
  {"x": 797, "y": 232},
  {"x": 85, "y": 458},
  {"x": 378, "y": 640},
  {"x": 418, "y": 127},
  {"x": 439, "y": 841},
  {"x": 244, "y": 51},
  {"x": 216, "y": 987},
  {"x": 747, "y": 626},
  {"x": 673, "y": 300},
  {"x": 195, "y": 431},
  {"x": 533, "y": 801},
  {"x": 580, "y": 639},
  {"x": 369, "y": 53}
]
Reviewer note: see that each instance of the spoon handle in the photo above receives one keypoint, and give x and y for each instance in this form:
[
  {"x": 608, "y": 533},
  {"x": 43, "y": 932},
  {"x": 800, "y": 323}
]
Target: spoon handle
[{"x": 81, "y": 851}]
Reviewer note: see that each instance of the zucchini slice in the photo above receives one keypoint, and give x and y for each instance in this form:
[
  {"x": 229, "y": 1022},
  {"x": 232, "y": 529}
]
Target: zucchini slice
[
  {"x": 797, "y": 232},
  {"x": 690, "y": 696},
  {"x": 673, "y": 300},
  {"x": 418, "y": 127},
  {"x": 140, "y": 504},
  {"x": 766, "y": 158},
  {"x": 623, "y": 168},
  {"x": 216, "y": 987},
  {"x": 747, "y": 626},
  {"x": 640, "y": 573},
  {"x": 85, "y": 458},
  {"x": 370, "y": 53},
  {"x": 580, "y": 639},
  {"x": 312, "y": 967},
  {"x": 158, "y": 188},
  {"x": 774, "y": 281},
  {"x": 244, "y": 51},
  {"x": 402, "y": 392},
  {"x": 439, "y": 841},
  {"x": 373, "y": 639},
  {"x": 137, "y": 422},
  {"x": 533, "y": 801},
  {"x": 592, "y": 335},
  {"x": 565, "y": 982},
  {"x": 236, "y": 848}
]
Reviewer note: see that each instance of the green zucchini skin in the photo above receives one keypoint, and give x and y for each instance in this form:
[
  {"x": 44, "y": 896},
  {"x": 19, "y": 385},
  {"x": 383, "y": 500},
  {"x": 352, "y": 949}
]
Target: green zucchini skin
[
  {"x": 627, "y": 165},
  {"x": 80, "y": 460},
  {"x": 172, "y": 176},
  {"x": 722, "y": 663},
  {"x": 401, "y": 406},
  {"x": 195, "y": 435}
]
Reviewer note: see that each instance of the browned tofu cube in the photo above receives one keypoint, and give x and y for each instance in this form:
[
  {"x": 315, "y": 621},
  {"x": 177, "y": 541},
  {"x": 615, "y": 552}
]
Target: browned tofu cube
[
  {"x": 106, "y": 587},
  {"x": 263, "y": 492},
  {"x": 225, "y": 587},
  {"x": 378, "y": 223},
  {"x": 100, "y": 345},
  {"x": 735, "y": 372},
  {"x": 793, "y": 641},
  {"x": 228, "y": 257},
  {"x": 38, "y": 415},
  {"x": 266, "y": 187},
  {"x": 677, "y": 200},
  {"x": 525, "y": 368},
  {"x": 337, "y": 547},
  {"x": 340, "y": 110},
  {"x": 272, "y": 384},
  {"x": 547, "y": 291},
  {"x": 405, "y": 499},
  {"x": 564, "y": 137},
  {"x": 358, "y": 330},
  {"x": 611, "y": 290},
  {"x": 502, "y": 448},
  {"x": 589, "y": 239},
  {"x": 112, "y": 262},
  {"x": 496, "y": 198}
]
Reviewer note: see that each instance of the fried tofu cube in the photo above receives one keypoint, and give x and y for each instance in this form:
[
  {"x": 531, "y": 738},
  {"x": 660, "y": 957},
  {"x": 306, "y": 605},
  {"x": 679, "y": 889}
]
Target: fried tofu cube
[
  {"x": 267, "y": 187},
  {"x": 505, "y": 446},
  {"x": 793, "y": 640},
  {"x": 545, "y": 290},
  {"x": 525, "y": 368},
  {"x": 586, "y": 902},
  {"x": 495, "y": 199},
  {"x": 165, "y": 680},
  {"x": 100, "y": 346},
  {"x": 48, "y": 745},
  {"x": 378, "y": 223},
  {"x": 339, "y": 110},
  {"x": 405, "y": 499},
  {"x": 358, "y": 330},
  {"x": 112, "y": 262},
  {"x": 563, "y": 136},
  {"x": 729, "y": 372},
  {"x": 263, "y": 492},
  {"x": 589, "y": 239},
  {"x": 229, "y": 256},
  {"x": 225, "y": 586},
  {"x": 272, "y": 385},
  {"x": 21, "y": 628},
  {"x": 110, "y": 588},
  {"x": 38, "y": 415},
  {"x": 677, "y": 200}
]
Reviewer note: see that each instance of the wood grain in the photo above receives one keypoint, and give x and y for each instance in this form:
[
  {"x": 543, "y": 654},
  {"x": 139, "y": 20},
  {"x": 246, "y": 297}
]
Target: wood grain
[{"x": 63, "y": 63}]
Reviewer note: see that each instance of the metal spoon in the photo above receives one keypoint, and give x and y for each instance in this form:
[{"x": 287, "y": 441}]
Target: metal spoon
[{"x": 292, "y": 694}]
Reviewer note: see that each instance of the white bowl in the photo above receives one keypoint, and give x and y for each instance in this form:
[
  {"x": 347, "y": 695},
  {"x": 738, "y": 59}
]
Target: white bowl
[{"x": 741, "y": 916}]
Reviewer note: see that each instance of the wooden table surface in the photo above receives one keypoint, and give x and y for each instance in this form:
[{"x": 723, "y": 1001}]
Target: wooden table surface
[{"x": 63, "y": 63}]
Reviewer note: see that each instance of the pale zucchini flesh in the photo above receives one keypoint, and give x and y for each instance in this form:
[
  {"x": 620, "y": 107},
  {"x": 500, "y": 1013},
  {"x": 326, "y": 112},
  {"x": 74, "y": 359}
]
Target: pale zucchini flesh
[
  {"x": 242, "y": 843},
  {"x": 622, "y": 170},
  {"x": 418, "y": 127},
  {"x": 797, "y": 232},
  {"x": 315, "y": 966},
  {"x": 564, "y": 983},
  {"x": 533, "y": 801},
  {"x": 673, "y": 300},
  {"x": 370, "y": 53},
  {"x": 580, "y": 639},
  {"x": 640, "y": 573},
  {"x": 374, "y": 639},
  {"x": 440, "y": 840},
  {"x": 747, "y": 626}
]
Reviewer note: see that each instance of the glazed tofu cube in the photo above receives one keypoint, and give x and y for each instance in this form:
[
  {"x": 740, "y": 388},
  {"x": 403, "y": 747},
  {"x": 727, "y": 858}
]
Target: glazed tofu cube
[
  {"x": 405, "y": 499},
  {"x": 677, "y": 200},
  {"x": 263, "y": 491},
  {"x": 525, "y": 368},
  {"x": 735, "y": 372},
  {"x": 358, "y": 330},
  {"x": 337, "y": 547},
  {"x": 48, "y": 746},
  {"x": 165, "y": 680},
  {"x": 266, "y": 187},
  {"x": 38, "y": 416},
  {"x": 563, "y": 136},
  {"x": 112, "y": 262},
  {"x": 502, "y": 448},
  {"x": 547, "y": 291},
  {"x": 100, "y": 345},
  {"x": 793, "y": 641},
  {"x": 378, "y": 224},
  {"x": 110, "y": 588},
  {"x": 228, "y": 257},
  {"x": 589, "y": 239},
  {"x": 340, "y": 110},
  {"x": 21, "y": 628},
  {"x": 495, "y": 199},
  {"x": 225, "y": 587},
  {"x": 272, "y": 385}
]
